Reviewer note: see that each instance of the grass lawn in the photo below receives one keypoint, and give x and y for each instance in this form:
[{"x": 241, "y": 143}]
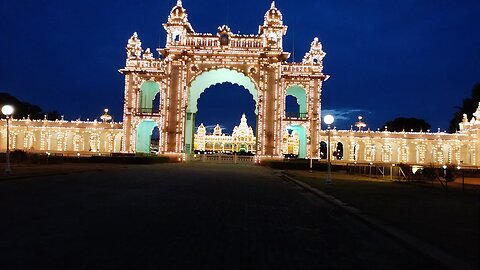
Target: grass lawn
[{"x": 449, "y": 220}]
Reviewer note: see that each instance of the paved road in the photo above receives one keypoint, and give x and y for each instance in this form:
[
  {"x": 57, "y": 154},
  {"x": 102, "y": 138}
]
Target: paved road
[{"x": 183, "y": 216}]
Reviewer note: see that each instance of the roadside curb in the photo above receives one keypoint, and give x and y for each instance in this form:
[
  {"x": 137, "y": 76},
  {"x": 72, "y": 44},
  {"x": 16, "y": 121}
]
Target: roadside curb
[{"x": 404, "y": 238}]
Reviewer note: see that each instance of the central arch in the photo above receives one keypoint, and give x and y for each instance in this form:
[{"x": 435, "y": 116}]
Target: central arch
[{"x": 206, "y": 80}]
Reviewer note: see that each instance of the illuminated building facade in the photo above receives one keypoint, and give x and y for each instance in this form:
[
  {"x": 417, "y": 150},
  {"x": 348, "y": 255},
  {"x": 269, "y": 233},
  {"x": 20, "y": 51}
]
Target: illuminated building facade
[
  {"x": 63, "y": 137},
  {"x": 162, "y": 92},
  {"x": 242, "y": 139},
  {"x": 416, "y": 148},
  {"x": 191, "y": 62}
]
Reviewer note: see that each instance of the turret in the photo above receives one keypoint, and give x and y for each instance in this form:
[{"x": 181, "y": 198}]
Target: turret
[
  {"x": 217, "y": 131},
  {"x": 316, "y": 54},
  {"x": 201, "y": 131},
  {"x": 134, "y": 47},
  {"x": 273, "y": 29},
  {"x": 177, "y": 26}
]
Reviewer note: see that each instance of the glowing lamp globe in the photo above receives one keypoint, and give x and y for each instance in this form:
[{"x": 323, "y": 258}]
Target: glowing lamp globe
[
  {"x": 328, "y": 119},
  {"x": 7, "y": 110}
]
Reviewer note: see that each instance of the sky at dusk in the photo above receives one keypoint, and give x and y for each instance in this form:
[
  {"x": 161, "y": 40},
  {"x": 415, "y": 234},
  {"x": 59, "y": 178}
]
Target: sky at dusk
[{"x": 386, "y": 58}]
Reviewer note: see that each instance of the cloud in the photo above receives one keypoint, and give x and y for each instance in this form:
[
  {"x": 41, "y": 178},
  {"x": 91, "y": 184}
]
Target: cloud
[{"x": 344, "y": 117}]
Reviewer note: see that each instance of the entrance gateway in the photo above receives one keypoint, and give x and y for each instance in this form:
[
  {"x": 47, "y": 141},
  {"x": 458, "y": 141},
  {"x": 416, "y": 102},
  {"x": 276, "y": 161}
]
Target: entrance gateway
[{"x": 162, "y": 92}]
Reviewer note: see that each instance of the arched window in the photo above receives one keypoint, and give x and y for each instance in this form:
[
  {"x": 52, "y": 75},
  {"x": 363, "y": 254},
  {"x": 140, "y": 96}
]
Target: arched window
[
  {"x": 300, "y": 94},
  {"x": 176, "y": 36},
  {"x": 339, "y": 151},
  {"x": 323, "y": 150},
  {"x": 149, "y": 97}
]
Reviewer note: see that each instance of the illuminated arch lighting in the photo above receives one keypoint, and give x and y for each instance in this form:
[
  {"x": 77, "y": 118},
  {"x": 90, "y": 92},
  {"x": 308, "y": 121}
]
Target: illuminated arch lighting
[{"x": 219, "y": 76}]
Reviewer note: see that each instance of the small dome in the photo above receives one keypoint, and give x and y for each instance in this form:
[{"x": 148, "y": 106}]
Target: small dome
[
  {"x": 273, "y": 16},
  {"x": 178, "y": 13}
]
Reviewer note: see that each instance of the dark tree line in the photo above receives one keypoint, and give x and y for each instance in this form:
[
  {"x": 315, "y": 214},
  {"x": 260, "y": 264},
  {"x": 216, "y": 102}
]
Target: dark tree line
[
  {"x": 407, "y": 124},
  {"x": 25, "y": 109},
  {"x": 469, "y": 106}
]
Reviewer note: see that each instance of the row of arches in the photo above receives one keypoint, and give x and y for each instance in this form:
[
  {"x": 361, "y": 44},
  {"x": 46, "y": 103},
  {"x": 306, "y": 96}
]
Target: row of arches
[
  {"x": 400, "y": 151},
  {"x": 38, "y": 140}
]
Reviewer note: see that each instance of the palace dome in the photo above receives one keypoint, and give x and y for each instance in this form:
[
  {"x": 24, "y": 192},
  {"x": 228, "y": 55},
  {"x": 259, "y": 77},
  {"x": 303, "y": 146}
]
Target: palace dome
[
  {"x": 273, "y": 16},
  {"x": 178, "y": 13}
]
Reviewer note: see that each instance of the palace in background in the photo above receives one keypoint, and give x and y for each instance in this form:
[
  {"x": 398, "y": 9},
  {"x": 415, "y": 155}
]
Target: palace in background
[
  {"x": 242, "y": 139},
  {"x": 162, "y": 92}
]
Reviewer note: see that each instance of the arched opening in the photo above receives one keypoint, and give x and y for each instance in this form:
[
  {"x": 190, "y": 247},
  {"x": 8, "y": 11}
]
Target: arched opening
[
  {"x": 290, "y": 144},
  {"x": 226, "y": 116},
  {"x": 302, "y": 139},
  {"x": 144, "y": 136},
  {"x": 291, "y": 105},
  {"x": 339, "y": 151},
  {"x": 377, "y": 152},
  {"x": 356, "y": 148},
  {"x": 149, "y": 97},
  {"x": 176, "y": 36},
  {"x": 299, "y": 96},
  {"x": 323, "y": 150},
  {"x": 155, "y": 141},
  {"x": 226, "y": 79},
  {"x": 396, "y": 153}
]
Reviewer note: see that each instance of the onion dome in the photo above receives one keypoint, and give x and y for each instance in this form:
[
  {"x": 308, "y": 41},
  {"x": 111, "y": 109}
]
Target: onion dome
[
  {"x": 178, "y": 13},
  {"x": 273, "y": 16},
  {"x": 106, "y": 117}
]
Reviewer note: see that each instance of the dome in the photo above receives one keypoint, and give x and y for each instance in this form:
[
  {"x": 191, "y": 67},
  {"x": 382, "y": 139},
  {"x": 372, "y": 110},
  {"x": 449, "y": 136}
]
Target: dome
[
  {"x": 178, "y": 13},
  {"x": 273, "y": 16}
]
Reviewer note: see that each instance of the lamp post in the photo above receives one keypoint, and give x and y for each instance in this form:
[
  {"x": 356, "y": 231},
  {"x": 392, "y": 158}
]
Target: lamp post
[
  {"x": 328, "y": 119},
  {"x": 7, "y": 110}
]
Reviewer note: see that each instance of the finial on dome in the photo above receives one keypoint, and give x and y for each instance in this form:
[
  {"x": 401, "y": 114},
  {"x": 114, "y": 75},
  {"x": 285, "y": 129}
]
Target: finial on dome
[
  {"x": 273, "y": 4},
  {"x": 179, "y": 3}
]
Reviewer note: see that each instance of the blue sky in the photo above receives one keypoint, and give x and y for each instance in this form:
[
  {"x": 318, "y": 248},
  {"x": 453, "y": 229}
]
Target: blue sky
[{"x": 387, "y": 58}]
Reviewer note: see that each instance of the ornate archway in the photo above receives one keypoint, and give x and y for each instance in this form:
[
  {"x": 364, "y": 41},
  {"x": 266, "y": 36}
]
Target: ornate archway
[{"x": 191, "y": 62}]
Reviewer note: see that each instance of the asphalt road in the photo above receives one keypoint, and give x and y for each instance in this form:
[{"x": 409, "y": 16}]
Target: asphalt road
[{"x": 176, "y": 216}]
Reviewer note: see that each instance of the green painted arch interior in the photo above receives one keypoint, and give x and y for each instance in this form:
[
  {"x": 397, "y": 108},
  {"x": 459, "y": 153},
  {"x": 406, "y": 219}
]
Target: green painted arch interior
[
  {"x": 218, "y": 76},
  {"x": 144, "y": 136},
  {"x": 302, "y": 137},
  {"x": 148, "y": 92},
  {"x": 301, "y": 95}
]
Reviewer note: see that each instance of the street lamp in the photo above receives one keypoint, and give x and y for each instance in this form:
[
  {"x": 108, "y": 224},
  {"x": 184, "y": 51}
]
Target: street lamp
[
  {"x": 328, "y": 119},
  {"x": 7, "y": 110}
]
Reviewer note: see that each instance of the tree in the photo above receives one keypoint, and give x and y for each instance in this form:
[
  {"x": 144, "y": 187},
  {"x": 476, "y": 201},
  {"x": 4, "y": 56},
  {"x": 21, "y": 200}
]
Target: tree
[
  {"x": 469, "y": 106},
  {"x": 407, "y": 124},
  {"x": 53, "y": 115},
  {"x": 25, "y": 109}
]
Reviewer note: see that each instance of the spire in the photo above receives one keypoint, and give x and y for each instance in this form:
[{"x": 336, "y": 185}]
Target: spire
[{"x": 273, "y": 4}]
